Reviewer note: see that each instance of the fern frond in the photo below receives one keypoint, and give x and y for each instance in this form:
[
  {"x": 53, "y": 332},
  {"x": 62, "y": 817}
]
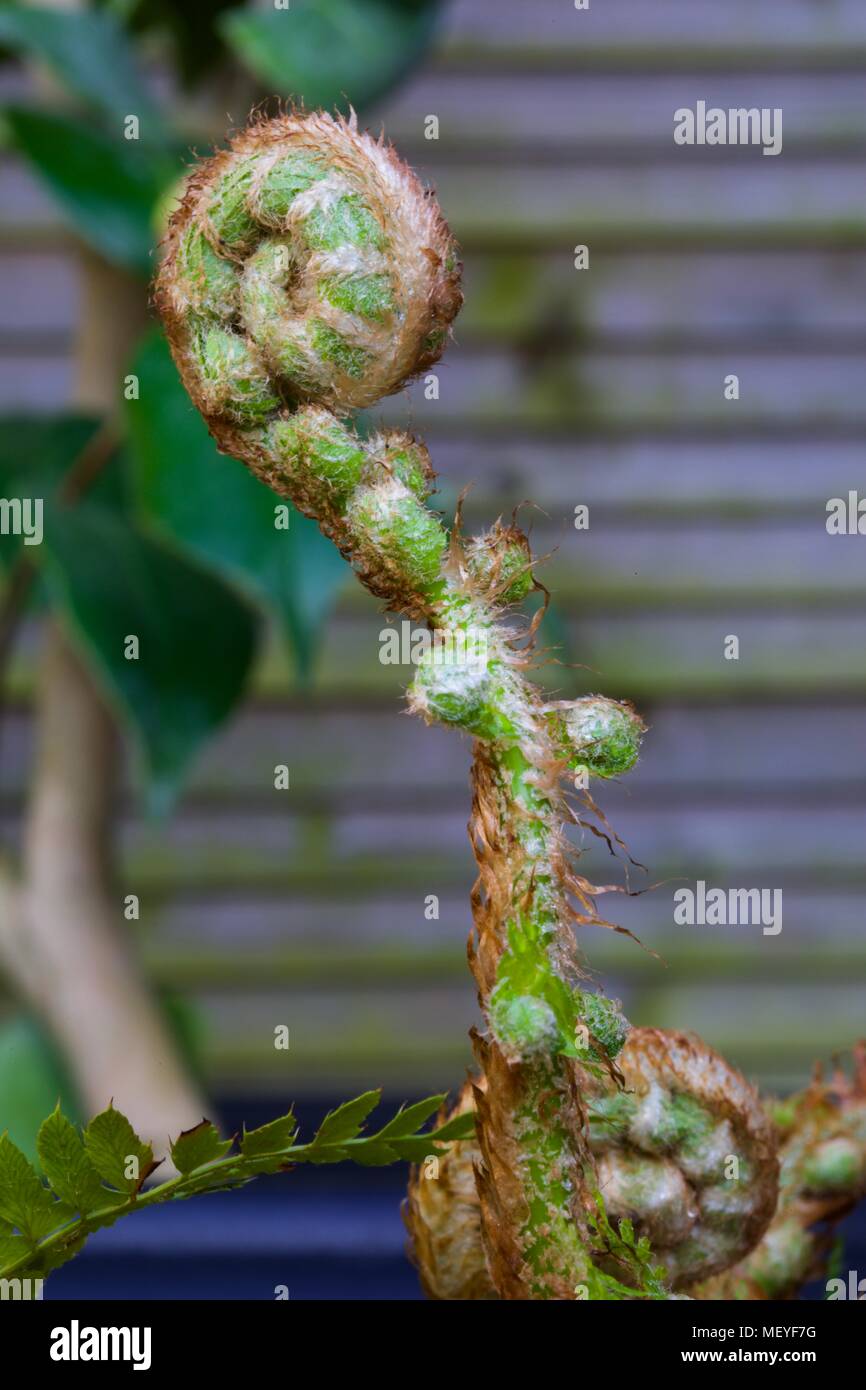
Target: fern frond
[{"x": 91, "y": 1179}]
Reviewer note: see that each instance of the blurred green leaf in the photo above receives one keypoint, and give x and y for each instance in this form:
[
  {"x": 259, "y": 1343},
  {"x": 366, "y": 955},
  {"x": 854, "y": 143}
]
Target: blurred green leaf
[
  {"x": 90, "y": 54},
  {"x": 34, "y": 454},
  {"x": 310, "y": 576},
  {"x": 106, "y": 186},
  {"x": 332, "y": 52},
  {"x": 187, "y": 1022},
  {"x": 555, "y": 633},
  {"x": 189, "y": 24},
  {"x": 32, "y": 1078},
  {"x": 196, "y": 635},
  {"x": 220, "y": 512},
  {"x": 32, "y": 445}
]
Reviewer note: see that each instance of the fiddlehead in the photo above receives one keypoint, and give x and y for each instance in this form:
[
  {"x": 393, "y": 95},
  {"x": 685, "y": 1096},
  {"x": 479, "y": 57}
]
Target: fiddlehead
[
  {"x": 823, "y": 1175},
  {"x": 307, "y": 274}
]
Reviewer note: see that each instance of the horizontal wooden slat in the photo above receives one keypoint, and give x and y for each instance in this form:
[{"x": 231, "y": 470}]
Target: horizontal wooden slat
[
  {"x": 567, "y": 388},
  {"x": 46, "y": 389},
  {"x": 644, "y": 656},
  {"x": 391, "y": 940},
  {"x": 738, "y": 24},
  {"x": 420, "y": 1035},
  {"x": 639, "y": 474},
  {"x": 336, "y": 964},
  {"x": 686, "y": 198},
  {"x": 296, "y": 849},
  {"x": 753, "y": 299},
  {"x": 735, "y": 559},
  {"x": 791, "y": 652},
  {"x": 825, "y": 1018},
  {"x": 375, "y": 756},
  {"x": 733, "y": 750},
  {"x": 600, "y": 110},
  {"x": 615, "y": 60},
  {"x": 40, "y": 291}
]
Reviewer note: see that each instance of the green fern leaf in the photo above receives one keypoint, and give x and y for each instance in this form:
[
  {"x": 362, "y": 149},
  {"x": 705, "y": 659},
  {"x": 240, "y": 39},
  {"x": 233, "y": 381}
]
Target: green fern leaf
[
  {"x": 25, "y": 1201},
  {"x": 116, "y": 1151},
  {"x": 346, "y": 1121},
  {"x": 197, "y": 1146},
  {"x": 66, "y": 1165}
]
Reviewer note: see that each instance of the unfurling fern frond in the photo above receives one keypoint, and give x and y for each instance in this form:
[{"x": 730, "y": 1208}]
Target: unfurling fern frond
[{"x": 308, "y": 274}]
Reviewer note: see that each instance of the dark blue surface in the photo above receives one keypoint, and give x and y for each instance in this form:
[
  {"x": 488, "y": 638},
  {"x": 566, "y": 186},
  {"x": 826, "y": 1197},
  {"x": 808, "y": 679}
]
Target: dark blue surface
[
  {"x": 320, "y": 1239},
  {"x": 323, "y": 1233},
  {"x": 331, "y": 1233}
]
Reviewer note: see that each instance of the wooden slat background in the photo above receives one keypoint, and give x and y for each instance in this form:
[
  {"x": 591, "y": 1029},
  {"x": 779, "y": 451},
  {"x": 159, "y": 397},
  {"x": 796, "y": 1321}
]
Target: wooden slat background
[{"x": 707, "y": 518}]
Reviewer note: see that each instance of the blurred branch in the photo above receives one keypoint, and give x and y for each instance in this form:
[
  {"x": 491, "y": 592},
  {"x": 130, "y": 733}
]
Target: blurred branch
[
  {"x": 60, "y": 934},
  {"x": 15, "y": 954},
  {"x": 12, "y": 606},
  {"x": 90, "y": 462}
]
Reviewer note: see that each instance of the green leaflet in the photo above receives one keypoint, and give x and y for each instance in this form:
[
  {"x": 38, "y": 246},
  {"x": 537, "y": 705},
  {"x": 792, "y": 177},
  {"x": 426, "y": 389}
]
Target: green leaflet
[
  {"x": 409, "y": 1118},
  {"x": 45, "y": 1223},
  {"x": 25, "y": 1201},
  {"x": 196, "y": 1146},
  {"x": 346, "y": 1121},
  {"x": 459, "y": 1127},
  {"x": 116, "y": 1152},
  {"x": 269, "y": 1138},
  {"x": 67, "y": 1166}
]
